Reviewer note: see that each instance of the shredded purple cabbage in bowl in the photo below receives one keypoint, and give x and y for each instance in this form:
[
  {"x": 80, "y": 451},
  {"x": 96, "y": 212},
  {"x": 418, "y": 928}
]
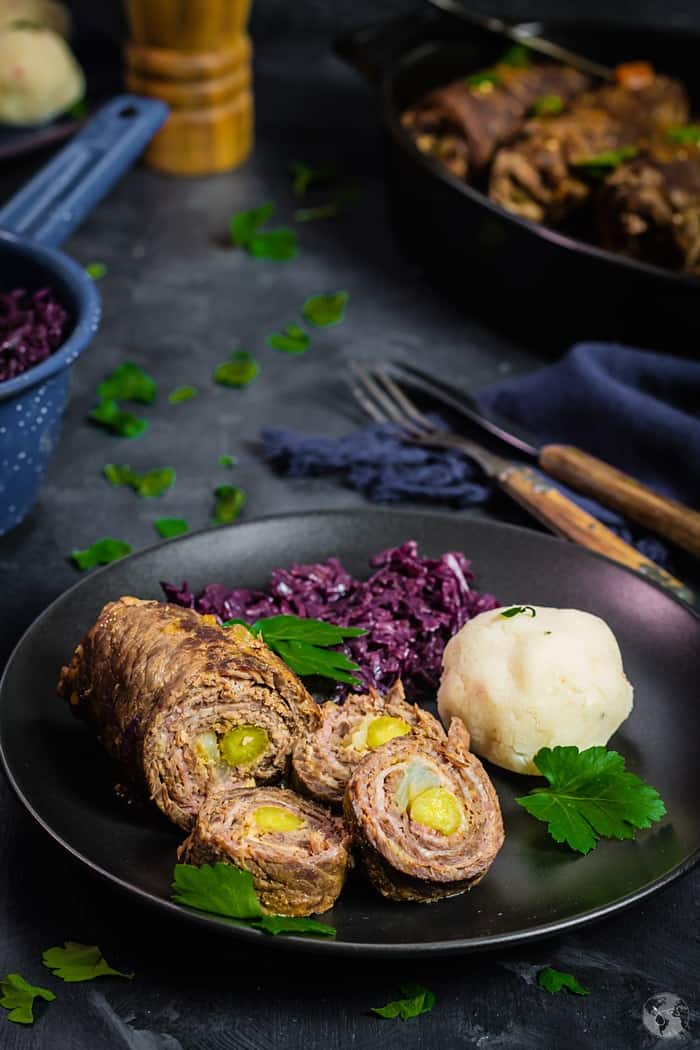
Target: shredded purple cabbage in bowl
[
  {"x": 410, "y": 606},
  {"x": 32, "y": 326}
]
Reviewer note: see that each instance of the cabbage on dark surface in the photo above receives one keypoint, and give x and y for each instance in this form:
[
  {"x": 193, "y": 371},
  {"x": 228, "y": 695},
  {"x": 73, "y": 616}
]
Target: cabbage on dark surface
[
  {"x": 410, "y": 606},
  {"x": 32, "y": 326}
]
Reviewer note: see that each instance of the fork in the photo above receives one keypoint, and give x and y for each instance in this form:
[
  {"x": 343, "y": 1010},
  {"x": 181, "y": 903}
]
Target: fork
[{"x": 385, "y": 402}]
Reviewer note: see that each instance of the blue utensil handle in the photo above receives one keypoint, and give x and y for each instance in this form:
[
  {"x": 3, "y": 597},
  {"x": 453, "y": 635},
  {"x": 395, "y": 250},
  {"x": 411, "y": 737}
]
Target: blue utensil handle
[{"x": 62, "y": 194}]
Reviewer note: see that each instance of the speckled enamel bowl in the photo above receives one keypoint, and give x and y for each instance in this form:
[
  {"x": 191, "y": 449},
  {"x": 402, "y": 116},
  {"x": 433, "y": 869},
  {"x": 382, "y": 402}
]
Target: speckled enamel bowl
[{"x": 31, "y": 404}]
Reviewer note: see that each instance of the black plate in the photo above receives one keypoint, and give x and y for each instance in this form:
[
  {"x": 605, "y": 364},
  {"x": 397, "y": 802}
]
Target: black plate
[{"x": 535, "y": 887}]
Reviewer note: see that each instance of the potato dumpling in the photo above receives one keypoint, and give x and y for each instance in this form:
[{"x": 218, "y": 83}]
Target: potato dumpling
[
  {"x": 537, "y": 678},
  {"x": 39, "y": 77}
]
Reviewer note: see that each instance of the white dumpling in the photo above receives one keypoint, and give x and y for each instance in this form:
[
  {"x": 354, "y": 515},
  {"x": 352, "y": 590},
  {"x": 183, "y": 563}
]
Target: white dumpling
[
  {"x": 39, "y": 77},
  {"x": 47, "y": 13},
  {"x": 524, "y": 682}
]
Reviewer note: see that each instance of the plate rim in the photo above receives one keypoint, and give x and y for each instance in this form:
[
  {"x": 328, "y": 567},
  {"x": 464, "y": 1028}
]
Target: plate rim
[{"x": 319, "y": 945}]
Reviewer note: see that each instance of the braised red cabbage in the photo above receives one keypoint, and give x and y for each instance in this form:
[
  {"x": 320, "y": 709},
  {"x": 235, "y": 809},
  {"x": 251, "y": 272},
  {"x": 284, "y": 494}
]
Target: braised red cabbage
[
  {"x": 410, "y": 607},
  {"x": 32, "y": 326}
]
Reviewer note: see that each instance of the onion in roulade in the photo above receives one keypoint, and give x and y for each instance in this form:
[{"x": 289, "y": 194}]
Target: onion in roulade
[
  {"x": 186, "y": 705},
  {"x": 463, "y": 123},
  {"x": 295, "y": 850},
  {"x": 325, "y": 756},
  {"x": 425, "y": 816}
]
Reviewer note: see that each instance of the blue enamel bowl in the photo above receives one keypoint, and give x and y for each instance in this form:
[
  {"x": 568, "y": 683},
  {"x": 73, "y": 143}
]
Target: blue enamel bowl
[{"x": 33, "y": 223}]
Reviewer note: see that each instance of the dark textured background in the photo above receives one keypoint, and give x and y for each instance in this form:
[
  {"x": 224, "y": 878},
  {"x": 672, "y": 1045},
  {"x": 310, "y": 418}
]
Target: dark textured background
[{"x": 176, "y": 300}]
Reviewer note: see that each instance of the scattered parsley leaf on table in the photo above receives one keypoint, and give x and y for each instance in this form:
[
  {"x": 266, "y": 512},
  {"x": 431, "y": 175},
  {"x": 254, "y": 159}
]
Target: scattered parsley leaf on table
[
  {"x": 303, "y": 176},
  {"x": 169, "y": 527},
  {"x": 240, "y": 370},
  {"x": 109, "y": 415},
  {"x": 418, "y": 1000},
  {"x": 223, "y": 889},
  {"x": 590, "y": 796},
  {"x": 325, "y": 310},
  {"x": 128, "y": 382},
  {"x": 96, "y": 270},
  {"x": 293, "y": 340},
  {"x": 182, "y": 393},
  {"x": 279, "y": 244},
  {"x": 227, "y": 461},
  {"x": 229, "y": 504},
  {"x": 302, "y": 645},
  {"x": 245, "y": 223},
  {"x": 18, "y": 997},
  {"x": 554, "y": 980},
  {"x": 101, "y": 552},
  {"x": 79, "y": 962},
  {"x": 147, "y": 484}
]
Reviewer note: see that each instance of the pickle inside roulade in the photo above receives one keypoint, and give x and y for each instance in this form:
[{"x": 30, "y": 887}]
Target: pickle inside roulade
[{"x": 425, "y": 816}]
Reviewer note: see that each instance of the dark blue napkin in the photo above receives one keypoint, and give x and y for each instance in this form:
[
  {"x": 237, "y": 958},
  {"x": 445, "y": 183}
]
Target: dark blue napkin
[{"x": 636, "y": 410}]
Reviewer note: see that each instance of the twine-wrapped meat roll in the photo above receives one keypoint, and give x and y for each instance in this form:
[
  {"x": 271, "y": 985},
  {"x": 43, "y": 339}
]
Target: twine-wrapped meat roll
[
  {"x": 425, "y": 816},
  {"x": 650, "y": 207},
  {"x": 544, "y": 174},
  {"x": 295, "y": 850},
  {"x": 187, "y": 706},
  {"x": 463, "y": 123},
  {"x": 325, "y": 756}
]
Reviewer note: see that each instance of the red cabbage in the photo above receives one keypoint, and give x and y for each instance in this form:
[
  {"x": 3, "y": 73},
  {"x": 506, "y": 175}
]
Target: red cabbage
[
  {"x": 410, "y": 606},
  {"x": 32, "y": 326}
]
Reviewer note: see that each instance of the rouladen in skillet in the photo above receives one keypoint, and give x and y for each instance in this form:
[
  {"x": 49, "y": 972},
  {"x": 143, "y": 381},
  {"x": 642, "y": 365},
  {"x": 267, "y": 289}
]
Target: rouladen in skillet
[
  {"x": 325, "y": 756},
  {"x": 545, "y": 174},
  {"x": 649, "y": 208},
  {"x": 187, "y": 706},
  {"x": 296, "y": 851},
  {"x": 425, "y": 816},
  {"x": 463, "y": 123}
]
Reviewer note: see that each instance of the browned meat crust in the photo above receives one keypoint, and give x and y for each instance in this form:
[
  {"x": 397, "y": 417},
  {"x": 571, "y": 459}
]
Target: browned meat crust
[
  {"x": 296, "y": 872},
  {"x": 152, "y": 677},
  {"x": 650, "y": 207},
  {"x": 462, "y": 125},
  {"x": 407, "y": 860},
  {"x": 325, "y": 756},
  {"x": 539, "y": 175}
]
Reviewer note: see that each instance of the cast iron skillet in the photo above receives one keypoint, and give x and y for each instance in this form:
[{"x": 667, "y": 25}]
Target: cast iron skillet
[{"x": 538, "y": 281}]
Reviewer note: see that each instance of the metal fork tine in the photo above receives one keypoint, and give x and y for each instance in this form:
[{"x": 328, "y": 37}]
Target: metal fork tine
[
  {"x": 408, "y": 406},
  {"x": 365, "y": 402},
  {"x": 380, "y": 399}
]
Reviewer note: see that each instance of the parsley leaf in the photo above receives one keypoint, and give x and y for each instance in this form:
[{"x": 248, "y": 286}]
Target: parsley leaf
[
  {"x": 301, "y": 644},
  {"x": 419, "y": 1000},
  {"x": 245, "y": 223},
  {"x": 79, "y": 962},
  {"x": 109, "y": 415},
  {"x": 18, "y": 997},
  {"x": 78, "y": 109},
  {"x": 321, "y": 211},
  {"x": 548, "y": 106},
  {"x": 227, "y": 461},
  {"x": 294, "y": 340},
  {"x": 600, "y": 164},
  {"x": 96, "y": 270},
  {"x": 688, "y": 135},
  {"x": 518, "y": 56},
  {"x": 128, "y": 382},
  {"x": 148, "y": 484},
  {"x": 554, "y": 980},
  {"x": 182, "y": 393},
  {"x": 223, "y": 889},
  {"x": 229, "y": 504},
  {"x": 240, "y": 370},
  {"x": 279, "y": 244},
  {"x": 516, "y": 610},
  {"x": 484, "y": 81},
  {"x": 304, "y": 175},
  {"x": 324, "y": 310},
  {"x": 590, "y": 796},
  {"x": 169, "y": 527},
  {"x": 101, "y": 552}
]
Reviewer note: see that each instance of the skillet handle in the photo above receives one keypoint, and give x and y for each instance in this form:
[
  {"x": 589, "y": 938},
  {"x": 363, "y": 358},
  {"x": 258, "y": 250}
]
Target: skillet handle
[
  {"x": 374, "y": 49},
  {"x": 57, "y": 199},
  {"x": 531, "y": 490},
  {"x": 612, "y": 487}
]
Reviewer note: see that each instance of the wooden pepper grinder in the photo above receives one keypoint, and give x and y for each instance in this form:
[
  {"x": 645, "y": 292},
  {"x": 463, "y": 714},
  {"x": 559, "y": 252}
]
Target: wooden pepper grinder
[{"x": 196, "y": 56}]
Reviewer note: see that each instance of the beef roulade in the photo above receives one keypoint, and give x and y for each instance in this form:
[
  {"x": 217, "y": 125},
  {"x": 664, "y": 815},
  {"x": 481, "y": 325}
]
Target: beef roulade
[
  {"x": 186, "y": 705},
  {"x": 463, "y": 123},
  {"x": 325, "y": 756},
  {"x": 295, "y": 850},
  {"x": 545, "y": 174},
  {"x": 425, "y": 816}
]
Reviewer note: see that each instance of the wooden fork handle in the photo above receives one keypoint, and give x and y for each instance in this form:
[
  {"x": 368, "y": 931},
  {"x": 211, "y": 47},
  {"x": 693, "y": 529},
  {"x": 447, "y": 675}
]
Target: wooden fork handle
[
  {"x": 610, "y": 486},
  {"x": 532, "y": 491}
]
